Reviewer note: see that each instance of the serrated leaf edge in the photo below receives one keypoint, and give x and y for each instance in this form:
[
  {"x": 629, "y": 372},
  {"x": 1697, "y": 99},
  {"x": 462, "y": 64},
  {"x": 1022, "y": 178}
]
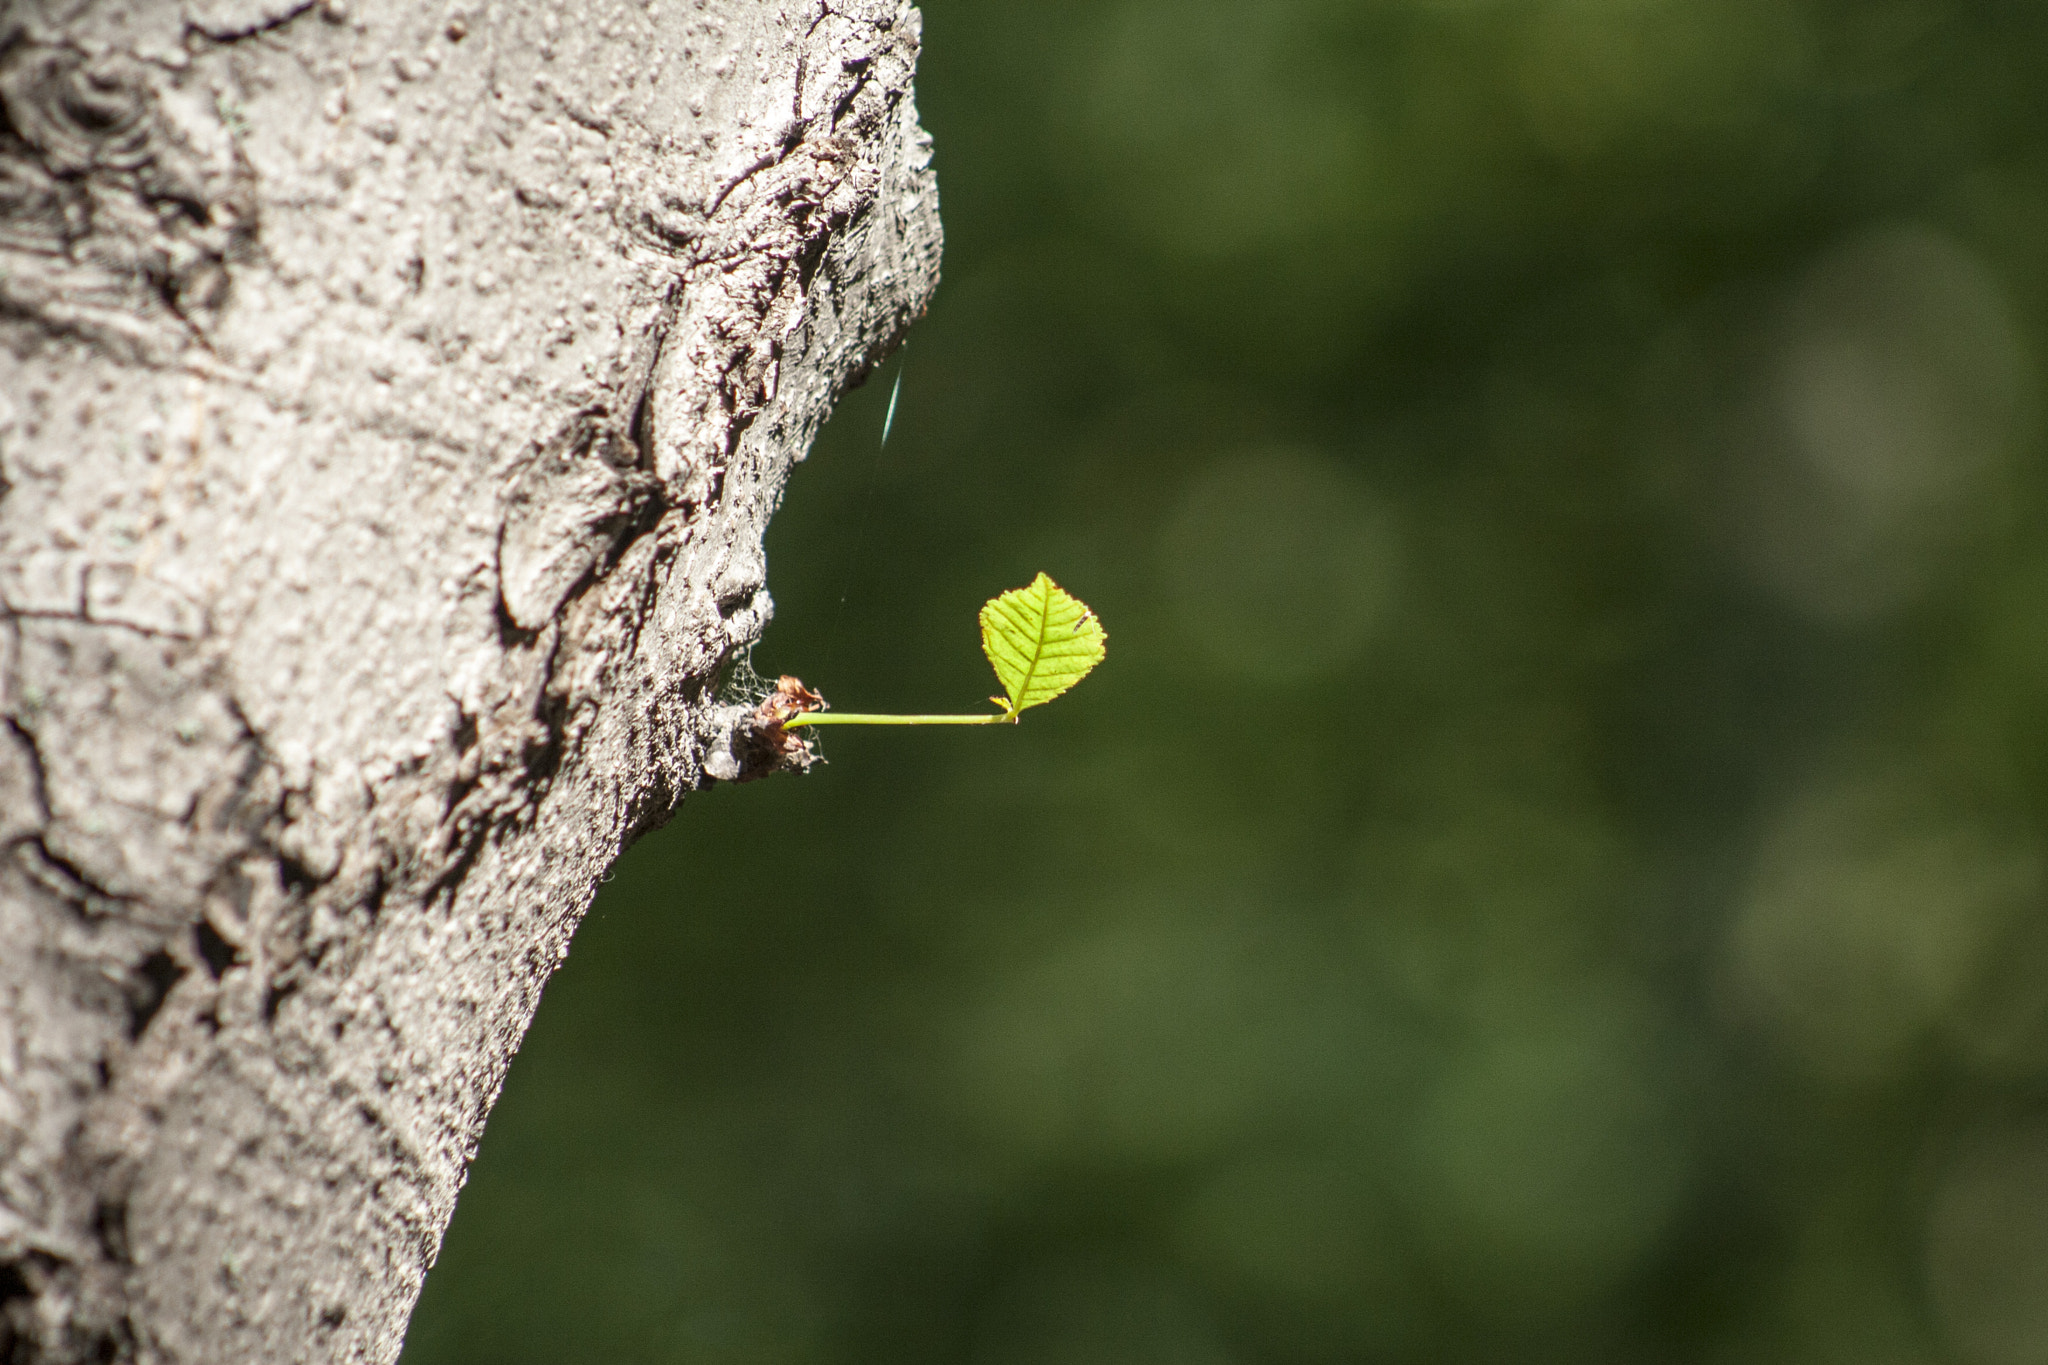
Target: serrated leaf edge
[{"x": 1002, "y": 621}]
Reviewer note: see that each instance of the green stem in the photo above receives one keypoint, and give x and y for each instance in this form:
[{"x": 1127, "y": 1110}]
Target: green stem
[{"x": 855, "y": 718}]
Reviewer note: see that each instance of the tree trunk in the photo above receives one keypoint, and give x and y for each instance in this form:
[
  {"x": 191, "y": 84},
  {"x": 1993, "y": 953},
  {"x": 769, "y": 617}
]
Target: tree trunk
[{"x": 392, "y": 399}]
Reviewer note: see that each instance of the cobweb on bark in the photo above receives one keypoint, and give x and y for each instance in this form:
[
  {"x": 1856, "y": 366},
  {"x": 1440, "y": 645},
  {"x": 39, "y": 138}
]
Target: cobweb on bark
[
  {"x": 741, "y": 685},
  {"x": 758, "y": 744}
]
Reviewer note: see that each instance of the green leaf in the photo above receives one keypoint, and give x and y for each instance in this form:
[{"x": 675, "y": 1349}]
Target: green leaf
[{"x": 1042, "y": 640}]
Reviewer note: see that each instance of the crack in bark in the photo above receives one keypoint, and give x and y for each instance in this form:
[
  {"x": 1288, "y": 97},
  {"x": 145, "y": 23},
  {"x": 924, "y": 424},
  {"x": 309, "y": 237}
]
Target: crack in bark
[{"x": 38, "y": 779}]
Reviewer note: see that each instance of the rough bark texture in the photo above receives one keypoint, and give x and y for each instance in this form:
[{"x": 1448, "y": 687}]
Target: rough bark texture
[{"x": 392, "y": 398}]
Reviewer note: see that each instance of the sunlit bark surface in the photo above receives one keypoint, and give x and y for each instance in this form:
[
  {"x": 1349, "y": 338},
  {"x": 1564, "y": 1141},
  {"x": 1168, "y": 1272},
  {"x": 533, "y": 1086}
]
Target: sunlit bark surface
[{"x": 392, "y": 399}]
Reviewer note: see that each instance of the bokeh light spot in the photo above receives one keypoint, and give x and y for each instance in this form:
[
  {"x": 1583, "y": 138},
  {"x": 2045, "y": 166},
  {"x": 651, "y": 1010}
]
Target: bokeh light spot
[
  {"x": 1545, "y": 1162},
  {"x": 1161, "y": 1037},
  {"x": 1896, "y": 389},
  {"x": 1279, "y": 565},
  {"x": 1235, "y": 141},
  {"x": 1871, "y": 913},
  {"x": 1601, "y": 75}
]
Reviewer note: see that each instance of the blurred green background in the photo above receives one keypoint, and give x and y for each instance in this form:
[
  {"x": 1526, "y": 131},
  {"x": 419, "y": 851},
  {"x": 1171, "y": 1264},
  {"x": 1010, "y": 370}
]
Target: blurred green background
[{"x": 1553, "y": 866}]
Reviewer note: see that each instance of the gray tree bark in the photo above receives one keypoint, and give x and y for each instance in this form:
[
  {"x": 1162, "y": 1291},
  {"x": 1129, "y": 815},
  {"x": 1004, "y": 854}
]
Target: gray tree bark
[{"x": 392, "y": 399}]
